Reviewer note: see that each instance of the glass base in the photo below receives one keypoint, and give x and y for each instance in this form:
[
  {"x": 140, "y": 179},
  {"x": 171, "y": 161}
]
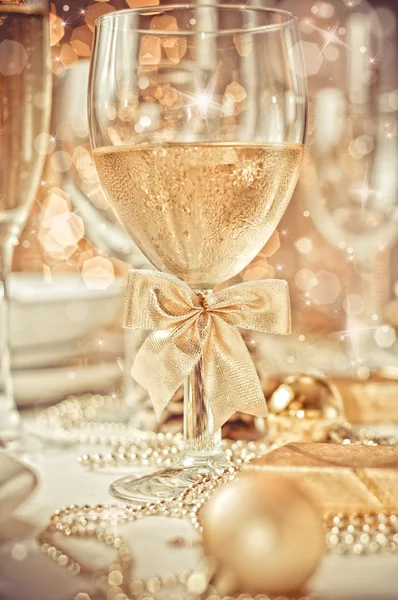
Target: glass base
[
  {"x": 10, "y": 422},
  {"x": 170, "y": 482}
]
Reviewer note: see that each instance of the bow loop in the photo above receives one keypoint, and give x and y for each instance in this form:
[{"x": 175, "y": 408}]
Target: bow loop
[
  {"x": 156, "y": 300},
  {"x": 188, "y": 326},
  {"x": 257, "y": 305}
]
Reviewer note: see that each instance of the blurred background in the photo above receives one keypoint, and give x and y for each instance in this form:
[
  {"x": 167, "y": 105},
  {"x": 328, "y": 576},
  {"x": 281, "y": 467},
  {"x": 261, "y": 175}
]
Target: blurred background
[{"x": 337, "y": 244}]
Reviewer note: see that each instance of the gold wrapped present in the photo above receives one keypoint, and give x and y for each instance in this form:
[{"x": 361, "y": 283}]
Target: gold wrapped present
[
  {"x": 338, "y": 477},
  {"x": 372, "y": 400}
]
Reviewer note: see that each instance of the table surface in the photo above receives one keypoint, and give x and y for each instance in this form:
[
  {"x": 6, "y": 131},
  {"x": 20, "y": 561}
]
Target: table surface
[{"x": 26, "y": 574}]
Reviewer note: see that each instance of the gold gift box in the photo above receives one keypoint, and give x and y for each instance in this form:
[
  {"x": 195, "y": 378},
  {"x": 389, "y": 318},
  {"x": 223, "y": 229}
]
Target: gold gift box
[
  {"x": 374, "y": 400},
  {"x": 339, "y": 478}
]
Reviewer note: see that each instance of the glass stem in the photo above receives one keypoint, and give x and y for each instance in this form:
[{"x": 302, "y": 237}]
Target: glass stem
[
  {"x": 9, "y": 416},
  {"x": 201, "y": 440},
  {"x": 136, "y": 401}
]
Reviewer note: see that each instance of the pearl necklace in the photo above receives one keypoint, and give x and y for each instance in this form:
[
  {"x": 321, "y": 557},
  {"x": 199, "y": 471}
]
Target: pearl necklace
[
  {"x": 345, "y": 534},
  {"x": 73, "y": 421}
]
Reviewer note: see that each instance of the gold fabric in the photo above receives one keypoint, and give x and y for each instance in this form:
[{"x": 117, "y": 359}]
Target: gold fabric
[
  {"x": 187, "y": 325},
  {"x": 338, "y": 477},
  {"x": 372, "y": 400}
]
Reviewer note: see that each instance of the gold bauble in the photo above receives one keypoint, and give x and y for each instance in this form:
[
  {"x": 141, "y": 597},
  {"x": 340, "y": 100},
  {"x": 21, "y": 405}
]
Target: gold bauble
[
  {"x": 305, "y": 406},
  {"x": 265, "y": 535}
]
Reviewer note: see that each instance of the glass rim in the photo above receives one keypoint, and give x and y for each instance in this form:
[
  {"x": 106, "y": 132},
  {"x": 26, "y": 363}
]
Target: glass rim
[{"x": 289, "y": 18}]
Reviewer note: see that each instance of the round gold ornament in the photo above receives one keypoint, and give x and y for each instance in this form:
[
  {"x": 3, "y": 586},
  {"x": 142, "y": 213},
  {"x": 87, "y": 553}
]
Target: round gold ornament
[
  {"x": 304, "y": 407},
  {"x": 264, "y": 535}
]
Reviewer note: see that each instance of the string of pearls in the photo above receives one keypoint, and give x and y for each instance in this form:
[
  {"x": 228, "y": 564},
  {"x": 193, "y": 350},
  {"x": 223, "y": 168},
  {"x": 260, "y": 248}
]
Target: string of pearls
[
  {"x": 100, "y": 523},
  {"x": 355, "y": 533},
  {"x": 74, "y": 421}
]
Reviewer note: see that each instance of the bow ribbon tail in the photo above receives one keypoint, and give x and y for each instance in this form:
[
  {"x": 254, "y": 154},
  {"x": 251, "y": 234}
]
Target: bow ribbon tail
[
  {"x": 164, "y": 360},
  {"x": 230, "y": 378}
]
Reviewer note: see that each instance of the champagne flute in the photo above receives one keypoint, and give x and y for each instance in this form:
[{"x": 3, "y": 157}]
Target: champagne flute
[
  {"x": 102, "y": 226},
  {"x": 197, "y": 123},
  {"x": 25, "y": 102}
]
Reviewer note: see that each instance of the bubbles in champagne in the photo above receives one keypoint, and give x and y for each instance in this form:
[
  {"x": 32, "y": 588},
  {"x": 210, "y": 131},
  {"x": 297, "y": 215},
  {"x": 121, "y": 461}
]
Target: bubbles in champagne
[{"x": 201, "y": 212}]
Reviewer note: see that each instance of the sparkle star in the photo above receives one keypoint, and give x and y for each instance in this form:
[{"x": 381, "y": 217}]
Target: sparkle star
[
  {"x": 364, "y": 192},
  {"x": 330, "y": 37},
  {"x": 203, "y": 100},
  {"x": 351, "y": 3}
]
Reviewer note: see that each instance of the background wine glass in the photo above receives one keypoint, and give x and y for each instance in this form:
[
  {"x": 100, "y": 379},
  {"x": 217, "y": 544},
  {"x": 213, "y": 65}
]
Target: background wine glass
[
  {"x": 102, "y": 226},
  {"x": 197, "y": 122},
  {"x": 351, "y": 185},
  {"x": 25, "y": 102}
]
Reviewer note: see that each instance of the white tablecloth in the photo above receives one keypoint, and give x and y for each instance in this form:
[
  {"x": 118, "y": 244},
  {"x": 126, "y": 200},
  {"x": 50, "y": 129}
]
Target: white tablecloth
[{"x": 26, "y": 574}]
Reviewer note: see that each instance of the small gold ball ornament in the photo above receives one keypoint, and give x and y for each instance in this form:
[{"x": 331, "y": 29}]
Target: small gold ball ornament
[
  {"x": 303, "y": 406},
  {"x": 264, "y": 534}
]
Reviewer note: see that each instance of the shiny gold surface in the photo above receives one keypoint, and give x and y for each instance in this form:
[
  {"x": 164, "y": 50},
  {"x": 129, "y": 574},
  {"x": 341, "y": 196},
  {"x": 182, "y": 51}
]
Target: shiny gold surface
[
  {"x": 255, "y": 529},
  {"x": 338, "y": 477},
  {"x": 372, "y": 399},
  {"x": 304, "y": 406}
]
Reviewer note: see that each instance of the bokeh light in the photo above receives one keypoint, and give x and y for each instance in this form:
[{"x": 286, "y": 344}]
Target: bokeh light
[
  {"x": 98, "y": 273},
  {"x": 13, "y": 57}
]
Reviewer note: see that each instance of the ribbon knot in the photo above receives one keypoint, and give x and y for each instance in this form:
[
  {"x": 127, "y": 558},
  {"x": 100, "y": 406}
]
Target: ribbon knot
[
  {"x": 188, "y": 326},
  {"x": 203, "y": 301}
]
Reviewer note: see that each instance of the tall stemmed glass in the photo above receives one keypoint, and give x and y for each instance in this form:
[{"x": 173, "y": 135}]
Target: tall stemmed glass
[
  {"x": 197, "y": 122},
  {"x": 102, "y": 227},
  {"x": 25, "y": 102}
]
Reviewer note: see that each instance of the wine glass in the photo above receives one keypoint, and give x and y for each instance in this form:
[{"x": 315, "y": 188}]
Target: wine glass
[
  {"x": 197, "y": 123},
  {"x": 102, "y": 226},
  {"x": 351, "y": 190},
  {"x": 25, "y": 102}
]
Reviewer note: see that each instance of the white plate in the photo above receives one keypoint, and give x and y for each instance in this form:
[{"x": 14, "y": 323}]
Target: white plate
[
  {"x": 42, "y": 386},
  {"x": 17, "y": 482},
  {"x": 60, "y": 311},
  {"x": 101, "y": 346}
]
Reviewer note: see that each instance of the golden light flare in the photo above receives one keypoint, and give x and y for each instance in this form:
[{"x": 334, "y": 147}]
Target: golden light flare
[
  {"x": 258, "y": 269},
  {"x": 90, "y": 185},
  {"x": 81, "y": 158},
  {"x": 60, "y": 229},
  {"x": 98, "y": 273},
  {"x": 170, "y": 97},
  {"x": 14, "y": 49},
  {"x": 164, "y": 23},
  {"x": 140, "y": 3},
  {"x": 237, "y": 91},
  {"x": 81, "y": 48},
  {"x": 151, "y": 46},
  {"x": 175, "y": 51},
  {"x": 57, "y": 28},
  {"x": 272, "y": 246},
  {"x": 243, "y": 44},
  {"x": 97, "y": 10},
  {"x": 81, "y": 40},
  {"x": 152, "y": 92},
  {"x": 68, "y": 55},
  {"x": 85, "y": 255},
  {"x": 150, "y": 50}
]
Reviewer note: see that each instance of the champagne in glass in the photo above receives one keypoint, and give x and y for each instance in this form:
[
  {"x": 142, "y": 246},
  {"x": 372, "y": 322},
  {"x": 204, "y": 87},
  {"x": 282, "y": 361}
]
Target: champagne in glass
[
  {"x": 197, "y": 123},
  {"x": 232, "y": 197},
  {"x": 25, "y": 85}
]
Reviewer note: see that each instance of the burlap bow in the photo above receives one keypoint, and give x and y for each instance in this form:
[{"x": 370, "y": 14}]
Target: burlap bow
[{"x": 187, "y": 325}]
